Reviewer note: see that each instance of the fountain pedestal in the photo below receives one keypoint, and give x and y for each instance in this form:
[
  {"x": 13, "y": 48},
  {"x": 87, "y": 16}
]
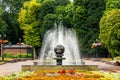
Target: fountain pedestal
[{"x": 59, "y": 50}]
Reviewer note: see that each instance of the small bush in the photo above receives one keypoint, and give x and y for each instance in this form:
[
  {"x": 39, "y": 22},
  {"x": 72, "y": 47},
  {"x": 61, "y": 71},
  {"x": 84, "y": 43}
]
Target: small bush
[
  {"x": 24, "y": 55},
  {"x": 8, "y": 55},
  {"x": 29, "y": 55},
  {"x": 15, "y": 56},
  {"x": 117, "y": 58}
]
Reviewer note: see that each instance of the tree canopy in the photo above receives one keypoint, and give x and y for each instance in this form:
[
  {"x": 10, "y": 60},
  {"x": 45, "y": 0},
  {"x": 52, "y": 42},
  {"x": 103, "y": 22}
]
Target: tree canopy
[
  {"x": 10, "y": 16},
  {"x": 87, "y": 14},
  {"x": 3, "y": 25},
  {"x": 29, "y": 23},
  {"x": 110, "y": 31}
]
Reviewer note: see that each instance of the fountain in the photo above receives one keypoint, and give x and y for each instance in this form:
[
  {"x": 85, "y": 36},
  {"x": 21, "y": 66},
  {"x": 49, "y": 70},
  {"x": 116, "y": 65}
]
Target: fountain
[
  {"x": 59, "y": 50},
  {"x": 60, "y": 35}
]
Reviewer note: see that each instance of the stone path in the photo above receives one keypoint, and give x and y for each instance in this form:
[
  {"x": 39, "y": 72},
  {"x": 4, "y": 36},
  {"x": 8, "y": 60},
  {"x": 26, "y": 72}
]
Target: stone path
[
  {"x": 10, "y": 68},
  {"x": 103, "y": 66}
]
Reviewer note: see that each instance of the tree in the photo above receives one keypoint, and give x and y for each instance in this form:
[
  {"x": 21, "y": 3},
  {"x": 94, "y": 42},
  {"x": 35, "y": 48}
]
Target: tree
[
  {"x": 110, "y": 31},
  {"x": 112, "y": 4},
  {"x": 68, "y": 19},
  {"x": 3, "y": 25},
  {"x": 60, "y": 11},
  {"x": 62, "y": 2},
  {"x": 87, "y": 14},
  {"x": 48, "y": 23},
  {"x": 106, "y": 27},
  {"x": 51, "y": 11},
  {"x": 29, "y": 23},
  {"x": 10, "y": 15},
  {"x": 47, "y": 7}
]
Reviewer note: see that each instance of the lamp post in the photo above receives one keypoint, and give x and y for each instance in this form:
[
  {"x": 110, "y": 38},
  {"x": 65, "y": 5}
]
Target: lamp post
[
  {"x": 20, "y": 47},
  {"x": 96, "y": 46},
  {"x": 1, "y": 45}
]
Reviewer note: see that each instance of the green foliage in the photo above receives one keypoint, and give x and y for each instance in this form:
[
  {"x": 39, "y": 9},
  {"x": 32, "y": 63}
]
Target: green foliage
[
  {"x": 48, "y": 23},
  {"x": 79, "y": 16},
  {"x": 112, "y": 4},
  {"x": 29, "y": 23},
  {"x": 60, "y": 9},
  {"x": 29, "y": 55},
  {"x": 87, "y": 14},
  {"x": 3, "y": 25},
  {"x": 8, "y": 55},
  {"x": 110, "y": 31},
  {"x": 60, "y": 13},
  {"x": 10, "y": 15},
  {"x": 47, "y": 7},
  {"x": 23, "y": 55},
  {"x": 117, "y": 58},
  {"x": 68, "y": 19},
  {"x": 62, "y": 2},
  {"x": 51, "y": 11}
]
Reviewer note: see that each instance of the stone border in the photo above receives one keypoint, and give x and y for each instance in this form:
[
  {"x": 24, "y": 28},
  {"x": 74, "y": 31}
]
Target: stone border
[{"x": 57, "y": 67}]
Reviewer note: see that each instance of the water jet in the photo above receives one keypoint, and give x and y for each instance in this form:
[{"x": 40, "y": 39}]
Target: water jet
[{"x": 59, "y": 35}]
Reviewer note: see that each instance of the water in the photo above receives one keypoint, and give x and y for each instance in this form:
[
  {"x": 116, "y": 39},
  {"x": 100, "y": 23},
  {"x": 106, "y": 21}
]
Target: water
[{"x": 59, "y": 35}]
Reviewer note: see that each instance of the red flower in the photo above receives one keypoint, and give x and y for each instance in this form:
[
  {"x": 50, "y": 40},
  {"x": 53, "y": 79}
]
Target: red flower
[
  {"x": 63, "y": 71},
  {"x": 72, "y": 71}
]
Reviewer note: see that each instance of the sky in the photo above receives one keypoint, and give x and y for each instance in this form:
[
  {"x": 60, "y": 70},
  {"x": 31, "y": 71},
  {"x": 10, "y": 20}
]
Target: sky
[{"x": 71, "y": 0}]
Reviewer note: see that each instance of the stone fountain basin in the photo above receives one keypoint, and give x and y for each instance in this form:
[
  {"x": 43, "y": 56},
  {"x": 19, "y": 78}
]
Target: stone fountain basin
[{"x": 59, "y": 67}]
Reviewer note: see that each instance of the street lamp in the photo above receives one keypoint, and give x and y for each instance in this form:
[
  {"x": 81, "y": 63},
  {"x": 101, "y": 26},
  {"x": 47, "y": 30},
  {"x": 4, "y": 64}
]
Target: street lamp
[
  {"x": 96, "y": 46},
  {"x": 20, "y": 47},
  {"x": 1, "y": 45}
]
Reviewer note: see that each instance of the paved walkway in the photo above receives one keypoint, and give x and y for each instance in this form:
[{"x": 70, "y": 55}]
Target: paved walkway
[
  {"x": 103, "y": 66},
  {"x": 10, "y": 68}
]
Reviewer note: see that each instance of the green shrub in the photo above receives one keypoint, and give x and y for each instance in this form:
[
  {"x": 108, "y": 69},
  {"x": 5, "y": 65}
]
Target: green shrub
[
  {"x": 117, "y": 58},
  {"x": 24, "y": 55},
  {"x": 29, "y": 55},
  {"x": 15, "y": 56},
  {"x": 8, "y": 55}
]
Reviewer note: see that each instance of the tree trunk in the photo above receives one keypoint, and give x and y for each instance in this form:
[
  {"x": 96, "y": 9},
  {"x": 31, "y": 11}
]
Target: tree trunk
[{"x": 34, "y": 53}]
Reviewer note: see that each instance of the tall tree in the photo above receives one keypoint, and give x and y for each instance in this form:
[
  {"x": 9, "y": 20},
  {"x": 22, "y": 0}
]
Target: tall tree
[
  {"x": 3, "y": 25},
  {"x": 51, "y": 11},
  {"x": 110, "y": 26},
  {"x": 110, "y": 31},
  {"x": 87, "y": 14},
  {"x": 69, "y": 12},
  {"x": 46, "y": 16},
  {"x": 29, "y": 23},
  {"x": 10, "y": 15}
]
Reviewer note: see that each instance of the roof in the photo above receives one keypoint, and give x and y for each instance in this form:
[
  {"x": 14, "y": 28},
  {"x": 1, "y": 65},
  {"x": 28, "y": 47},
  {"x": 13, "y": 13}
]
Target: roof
[{"x": 17, "y": 46}]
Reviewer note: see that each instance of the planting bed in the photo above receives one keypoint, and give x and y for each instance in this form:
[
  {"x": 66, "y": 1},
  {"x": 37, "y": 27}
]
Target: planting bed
[{"x": 62, "y": 75}]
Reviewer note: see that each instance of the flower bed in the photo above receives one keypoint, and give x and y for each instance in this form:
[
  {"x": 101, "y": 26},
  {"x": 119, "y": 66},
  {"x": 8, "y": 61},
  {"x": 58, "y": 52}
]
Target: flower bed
[
  {"x": 63, "y": 75},
  {"x": 106, "y": 59}
]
